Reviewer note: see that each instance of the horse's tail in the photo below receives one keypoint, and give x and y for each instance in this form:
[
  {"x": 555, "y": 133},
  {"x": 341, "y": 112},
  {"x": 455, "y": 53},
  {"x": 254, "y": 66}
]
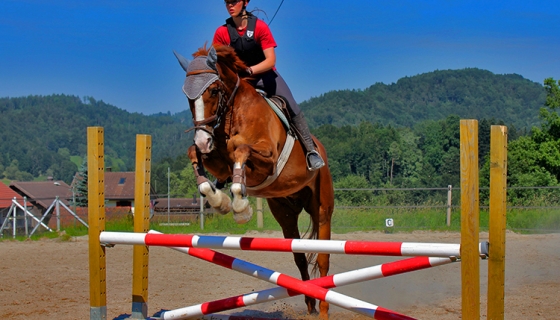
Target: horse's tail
[
  {"x": 324, "y": 206},
  {"x": 312, "y": 257}
]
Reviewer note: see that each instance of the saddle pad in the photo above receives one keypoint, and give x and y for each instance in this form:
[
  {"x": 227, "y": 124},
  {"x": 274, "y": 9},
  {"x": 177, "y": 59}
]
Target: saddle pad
[{"x": 279, "y": 113}]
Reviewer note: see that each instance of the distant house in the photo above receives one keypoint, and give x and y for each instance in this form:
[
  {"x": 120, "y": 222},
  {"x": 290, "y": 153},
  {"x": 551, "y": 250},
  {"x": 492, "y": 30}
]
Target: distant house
[
  {"x": 119, "y": 189},
  {"x": 7, "y": 196},
  {"x": 42, "y": 194}
]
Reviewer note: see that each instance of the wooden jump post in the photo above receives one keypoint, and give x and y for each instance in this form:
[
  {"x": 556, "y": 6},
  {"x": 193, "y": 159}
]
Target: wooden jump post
[
  {"x": 470, "y": 217},
  {"x": 96, "y": 221},
  {"x": 469, "y": 248},
  {"x": 497, "y": 223},
  {"x": 96, "y": 218},
  {"x": 470, "y": 260}
]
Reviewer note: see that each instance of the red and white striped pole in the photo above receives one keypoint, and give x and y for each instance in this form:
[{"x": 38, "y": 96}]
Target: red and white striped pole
[
  {"x": 308, "y": 288},
  {"x": 287, "y": 245},
  {"x": 337, "y": 280}
]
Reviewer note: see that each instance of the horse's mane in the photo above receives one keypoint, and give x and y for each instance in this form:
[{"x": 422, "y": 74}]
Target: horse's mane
[{"x": 226, "y": 55}]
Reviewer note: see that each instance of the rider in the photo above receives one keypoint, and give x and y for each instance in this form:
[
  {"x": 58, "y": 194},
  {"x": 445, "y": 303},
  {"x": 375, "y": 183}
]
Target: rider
[{"x": 253, "y": 42}]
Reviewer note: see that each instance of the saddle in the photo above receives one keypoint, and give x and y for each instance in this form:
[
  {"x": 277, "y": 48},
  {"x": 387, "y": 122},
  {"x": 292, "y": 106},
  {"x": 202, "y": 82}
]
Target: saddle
[{"x": 280, "y": 107}]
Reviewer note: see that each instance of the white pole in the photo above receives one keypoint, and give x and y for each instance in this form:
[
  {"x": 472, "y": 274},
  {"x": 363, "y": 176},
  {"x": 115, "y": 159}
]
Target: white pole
[
  {"x": 57, "y": 214},
  {"x": 260, "y": 223},
  {"x": 74, "y": 204},
  {"x": 25, "y": 216},
  {"x": 14, "y": 221},
  {"x": 449, "y": 189},
  {"x": 6, "y": 220},
  {"x": 201, "y": 212},
  {"x": 168, "y": 191}
]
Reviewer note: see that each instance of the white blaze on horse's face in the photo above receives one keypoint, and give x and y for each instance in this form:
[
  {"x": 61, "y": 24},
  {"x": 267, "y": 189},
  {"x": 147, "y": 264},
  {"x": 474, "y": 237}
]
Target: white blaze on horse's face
[{"x": 202, "y": 139}]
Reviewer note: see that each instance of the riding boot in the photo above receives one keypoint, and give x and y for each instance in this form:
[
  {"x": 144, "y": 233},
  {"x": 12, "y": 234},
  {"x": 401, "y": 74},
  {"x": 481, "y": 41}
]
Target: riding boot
[{"x": 313, "y": 158}]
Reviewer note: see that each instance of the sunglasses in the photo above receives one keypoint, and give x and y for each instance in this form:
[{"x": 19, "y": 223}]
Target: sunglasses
[{"x": 231, "y": 2}]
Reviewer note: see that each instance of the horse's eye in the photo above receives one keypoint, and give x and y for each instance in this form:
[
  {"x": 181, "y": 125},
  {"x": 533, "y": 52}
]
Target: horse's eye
[{"x": 214, "y": 92}]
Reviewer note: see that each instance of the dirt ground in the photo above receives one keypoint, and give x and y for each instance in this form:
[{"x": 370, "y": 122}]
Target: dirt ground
[{"x": 50, "y": 279}]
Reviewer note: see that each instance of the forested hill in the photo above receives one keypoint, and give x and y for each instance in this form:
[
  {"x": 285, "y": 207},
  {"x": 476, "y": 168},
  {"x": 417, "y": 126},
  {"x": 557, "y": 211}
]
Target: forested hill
[
  {"x": 469, "y": 93},
  {"x": 46, "y": 135},
  {"x": 43, "y": 133}
]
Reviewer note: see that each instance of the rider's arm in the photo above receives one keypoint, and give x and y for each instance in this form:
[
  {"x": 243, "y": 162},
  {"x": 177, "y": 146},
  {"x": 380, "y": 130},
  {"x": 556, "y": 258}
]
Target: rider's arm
[{"x": 268, "y": 63}]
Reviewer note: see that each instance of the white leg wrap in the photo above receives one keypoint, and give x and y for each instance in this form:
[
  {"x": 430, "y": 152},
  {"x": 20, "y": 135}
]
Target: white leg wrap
[
  {"x": 242, "y": 211},
  {"x": 217, "y": 199}
]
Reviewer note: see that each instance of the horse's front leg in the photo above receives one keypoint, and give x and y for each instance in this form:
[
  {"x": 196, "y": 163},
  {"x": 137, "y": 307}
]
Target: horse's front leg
[
  {"x": 216, "y": 198},
  {"x": 262, "y": 157},
  {"x": 242, "y": 211}
]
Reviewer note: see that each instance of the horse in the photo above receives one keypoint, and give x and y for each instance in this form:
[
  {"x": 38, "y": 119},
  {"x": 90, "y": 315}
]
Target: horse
[{"x": 240, "y": 139}]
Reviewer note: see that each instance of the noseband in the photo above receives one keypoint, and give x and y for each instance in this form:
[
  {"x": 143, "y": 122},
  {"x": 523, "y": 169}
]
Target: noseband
[{"x": 205, "y": 124}]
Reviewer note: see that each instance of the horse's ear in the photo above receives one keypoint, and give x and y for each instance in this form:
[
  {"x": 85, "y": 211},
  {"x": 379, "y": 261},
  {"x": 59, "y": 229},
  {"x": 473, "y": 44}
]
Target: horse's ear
[
  {"x": 212, "y": 58},
  {"x": 184, "y": 62}
]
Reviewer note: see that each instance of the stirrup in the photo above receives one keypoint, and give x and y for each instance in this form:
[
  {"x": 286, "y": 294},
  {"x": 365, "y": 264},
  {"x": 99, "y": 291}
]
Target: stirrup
[{"x": 317, "y": 164}]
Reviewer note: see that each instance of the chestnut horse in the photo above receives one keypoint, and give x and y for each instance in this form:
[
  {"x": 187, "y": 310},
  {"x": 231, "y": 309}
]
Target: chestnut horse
[{"x": 239, "y": 138}]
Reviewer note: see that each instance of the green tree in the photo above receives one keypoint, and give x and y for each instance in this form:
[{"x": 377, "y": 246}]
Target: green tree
[
  {"x": 353, "y": 197},
  {"x": 184, "y": 182},
  {"x": 552, "y": 93},
  {"x": 535, "y": 160},
  {"x": 23, "y": 176},
  {"x": 80, "y": 186},
  {"x": 11, "y": 171},
  {"x": 547, "y": 138},
  {"x": 64, "y": 152}
]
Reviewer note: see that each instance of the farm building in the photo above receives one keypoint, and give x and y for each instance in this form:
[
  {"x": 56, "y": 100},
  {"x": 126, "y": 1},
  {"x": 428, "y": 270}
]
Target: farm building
[{"x": 10, "y": 200}]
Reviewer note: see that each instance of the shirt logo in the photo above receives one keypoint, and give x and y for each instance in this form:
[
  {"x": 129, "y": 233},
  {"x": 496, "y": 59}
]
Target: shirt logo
[{"x": 250, "y": 34}]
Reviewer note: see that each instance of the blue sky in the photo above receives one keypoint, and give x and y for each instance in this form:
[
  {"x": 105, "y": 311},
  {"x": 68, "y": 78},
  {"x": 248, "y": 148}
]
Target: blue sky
[{"x": 121, "y": 51}]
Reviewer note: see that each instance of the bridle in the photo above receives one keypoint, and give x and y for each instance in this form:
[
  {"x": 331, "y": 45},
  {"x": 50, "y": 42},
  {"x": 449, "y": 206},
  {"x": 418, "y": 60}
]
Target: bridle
[{"x": 210, "y": 123}]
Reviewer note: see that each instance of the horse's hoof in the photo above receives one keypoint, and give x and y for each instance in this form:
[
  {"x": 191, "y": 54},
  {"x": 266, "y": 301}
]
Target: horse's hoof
[
  {"x": 225, "y": 206},
  {"x": 240, "y": 205},
  {"x": 223, "y": 210},
  {"x": 244, "y": 216}
]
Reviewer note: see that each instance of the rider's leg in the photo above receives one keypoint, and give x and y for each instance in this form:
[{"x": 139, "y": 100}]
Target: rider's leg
[
  {"x": 275, "y": 84},
  {"x": 314, "y": 160}
]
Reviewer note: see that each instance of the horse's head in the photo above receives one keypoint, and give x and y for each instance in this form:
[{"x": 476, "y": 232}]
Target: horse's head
[{"x": 209, "y": 92}]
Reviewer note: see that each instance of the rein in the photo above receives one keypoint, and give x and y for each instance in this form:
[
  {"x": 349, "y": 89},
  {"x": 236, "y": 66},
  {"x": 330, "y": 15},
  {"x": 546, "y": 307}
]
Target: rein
[{"x": 222, "y": 107}]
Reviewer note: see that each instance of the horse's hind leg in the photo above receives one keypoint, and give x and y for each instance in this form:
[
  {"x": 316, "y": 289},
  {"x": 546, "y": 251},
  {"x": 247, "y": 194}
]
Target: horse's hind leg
[
  {"x": 323, "y": 260},
  {"x": 320, "y": 207},
  {"x": 286, "y": 213}
]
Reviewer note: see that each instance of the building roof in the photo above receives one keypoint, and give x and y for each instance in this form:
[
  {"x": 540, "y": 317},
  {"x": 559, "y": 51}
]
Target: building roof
[
  {"x": 43, "y": 193},
  {"x": 119, "y": 185},
  {"x": 7, "y": 195}
]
